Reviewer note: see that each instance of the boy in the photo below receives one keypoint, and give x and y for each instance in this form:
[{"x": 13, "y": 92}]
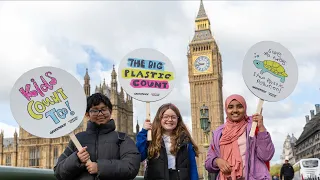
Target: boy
[{"x": 114, "y": 155}]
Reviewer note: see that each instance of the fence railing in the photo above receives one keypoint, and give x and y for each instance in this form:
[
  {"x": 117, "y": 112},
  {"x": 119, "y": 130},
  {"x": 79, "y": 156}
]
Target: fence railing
[{"x": 22, "y": 173}]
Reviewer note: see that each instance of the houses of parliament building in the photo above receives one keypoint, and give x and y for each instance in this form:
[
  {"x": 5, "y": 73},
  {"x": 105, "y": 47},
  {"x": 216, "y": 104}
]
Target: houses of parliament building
[{"x": 26, "y": 150}]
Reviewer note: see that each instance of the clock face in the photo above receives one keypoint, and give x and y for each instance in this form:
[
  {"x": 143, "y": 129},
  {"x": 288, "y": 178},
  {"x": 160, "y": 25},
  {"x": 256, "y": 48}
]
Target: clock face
[{"x": 202, "y": 63}]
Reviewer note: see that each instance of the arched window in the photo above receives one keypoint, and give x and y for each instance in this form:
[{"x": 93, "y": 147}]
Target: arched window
[
  {"x": 34, "y": 156},
  {"x": 55, "y": 155},
  {"x": 8, "y": 159}
]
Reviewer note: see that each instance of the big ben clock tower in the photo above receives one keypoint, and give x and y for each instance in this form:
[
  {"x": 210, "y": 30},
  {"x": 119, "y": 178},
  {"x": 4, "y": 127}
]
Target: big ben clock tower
[{"x": 205, "y": 79}]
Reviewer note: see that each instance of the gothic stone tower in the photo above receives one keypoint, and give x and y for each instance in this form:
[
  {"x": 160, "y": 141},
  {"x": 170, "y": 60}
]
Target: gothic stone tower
[
  {"x": 122, "y": 103},
  {"x": 205, "y": 79},
  {"x": 86, "y": 85}
]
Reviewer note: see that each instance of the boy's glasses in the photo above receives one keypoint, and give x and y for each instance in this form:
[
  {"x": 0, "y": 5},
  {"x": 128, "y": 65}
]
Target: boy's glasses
[{"x": 95, "y": 112}]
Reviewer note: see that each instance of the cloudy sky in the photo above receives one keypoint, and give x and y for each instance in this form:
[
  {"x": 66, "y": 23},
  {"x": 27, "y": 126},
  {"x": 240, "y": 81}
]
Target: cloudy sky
[{"x": 95, "y": 35}]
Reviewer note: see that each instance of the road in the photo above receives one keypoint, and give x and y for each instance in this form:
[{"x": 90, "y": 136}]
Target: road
[{"x": 296, "y": 176}]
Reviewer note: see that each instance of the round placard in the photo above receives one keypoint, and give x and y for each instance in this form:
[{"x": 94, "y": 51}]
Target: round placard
[
  {"x": 146, "y": 75},
  {"x": 48, "y": 102},
  {"x": 270, "y": 71}
]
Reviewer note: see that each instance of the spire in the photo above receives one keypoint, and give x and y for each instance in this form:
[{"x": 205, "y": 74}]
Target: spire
[
  {"x": 202, "y": 29},
  {"x": 15, "y": 136},
  {"x": 104, "y": 86},
  {"x": 87, "y": 77},
  {"x": 113, "y": 74},
  {"x": 202, "y": 11},
  {"x": 114, "y": 84},
  {"x": 121, "y": 94},
  {"x": 86, "y": 86},
  {"x": 137, "y": 126},
  {"x": 121, "y": 91},
  {"x": 1, "y": 137}
]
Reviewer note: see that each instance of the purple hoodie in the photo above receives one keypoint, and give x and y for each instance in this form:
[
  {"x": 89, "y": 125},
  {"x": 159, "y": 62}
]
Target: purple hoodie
[{"x": 261, "y": 151}]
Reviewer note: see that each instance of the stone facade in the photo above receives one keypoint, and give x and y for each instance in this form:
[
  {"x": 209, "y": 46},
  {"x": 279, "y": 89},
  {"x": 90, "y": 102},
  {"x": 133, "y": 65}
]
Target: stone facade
[
  {"x": 288, "y": 149},
  {"x": 27, "y": 150},
  {"x": 205, "y": 79},
  {"x": 308, "y": 144},
  {"x": 8, "y": 150}
]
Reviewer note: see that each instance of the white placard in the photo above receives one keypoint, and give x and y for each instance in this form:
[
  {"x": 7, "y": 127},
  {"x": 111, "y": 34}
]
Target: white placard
[
  {"x": 146, "y": 75},
  {"x": 48, "y": 102},
  {"x": 270, "y": 71}
]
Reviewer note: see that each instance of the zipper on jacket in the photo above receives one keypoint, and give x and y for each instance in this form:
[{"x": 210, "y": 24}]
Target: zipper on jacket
[
  {"x": 178, "y": 174},
  {"x": 176, "y": 158},
  {"x": 97, "y": 144},
  {"x": 177, "y": 170}
]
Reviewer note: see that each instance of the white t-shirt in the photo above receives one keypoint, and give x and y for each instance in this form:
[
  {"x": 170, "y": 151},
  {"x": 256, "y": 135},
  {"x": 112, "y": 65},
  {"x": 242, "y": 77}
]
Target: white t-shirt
[{"x": 171, "y": 158}]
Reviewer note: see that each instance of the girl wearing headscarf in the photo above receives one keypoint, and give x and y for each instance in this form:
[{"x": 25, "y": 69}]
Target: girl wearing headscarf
[{"x": 233, "y": 154}]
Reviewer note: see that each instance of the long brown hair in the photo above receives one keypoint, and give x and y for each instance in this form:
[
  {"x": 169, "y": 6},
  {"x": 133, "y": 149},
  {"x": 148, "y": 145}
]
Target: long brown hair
[{"x": 157, "y": 131}]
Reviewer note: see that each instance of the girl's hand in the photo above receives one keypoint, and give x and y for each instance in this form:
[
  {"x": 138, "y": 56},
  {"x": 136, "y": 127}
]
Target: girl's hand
[
  {"x": 259, "y": 119},
  {"x": 224, "y": 166},
  {"x": 147, "y": 125}
]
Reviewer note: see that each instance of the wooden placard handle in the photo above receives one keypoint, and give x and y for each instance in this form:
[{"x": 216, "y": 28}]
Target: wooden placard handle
[
  {"x": 76, "y": 142},
  {"x": 254, "y": 124},
  {"x": 149, "y": 136}
]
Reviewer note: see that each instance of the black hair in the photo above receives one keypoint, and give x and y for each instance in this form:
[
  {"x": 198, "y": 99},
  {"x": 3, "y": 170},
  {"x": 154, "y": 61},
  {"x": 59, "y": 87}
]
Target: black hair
[{"x": 97, "y": 98}]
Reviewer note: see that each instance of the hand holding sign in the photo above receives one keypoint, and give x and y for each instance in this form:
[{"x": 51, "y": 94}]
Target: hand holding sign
[
  {"x": 48, "y": 102},
  {"x": 147, "y": 125},
  {"x": 147, "y": 75},
  {"x": 270, "y": 72}
]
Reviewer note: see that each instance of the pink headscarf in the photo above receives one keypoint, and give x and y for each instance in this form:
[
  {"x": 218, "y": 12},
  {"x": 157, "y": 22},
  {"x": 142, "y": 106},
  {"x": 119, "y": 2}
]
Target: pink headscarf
[{"x": 229, "y": 141}]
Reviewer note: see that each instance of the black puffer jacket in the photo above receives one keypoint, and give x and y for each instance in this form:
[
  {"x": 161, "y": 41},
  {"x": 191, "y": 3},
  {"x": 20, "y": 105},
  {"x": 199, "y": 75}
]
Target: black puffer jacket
[
  {"x": 157, "y": 168},
  {"x": 116, "y": 159}
]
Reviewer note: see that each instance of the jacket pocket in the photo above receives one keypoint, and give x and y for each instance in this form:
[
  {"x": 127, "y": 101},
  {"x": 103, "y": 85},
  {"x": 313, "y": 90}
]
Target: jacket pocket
[
  {"x": 154, "y": 171},
  {"x": 183, "y": 174}
]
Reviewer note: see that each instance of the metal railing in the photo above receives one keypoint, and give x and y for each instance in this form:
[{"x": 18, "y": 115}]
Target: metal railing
[{"x": 22, "y": 173}]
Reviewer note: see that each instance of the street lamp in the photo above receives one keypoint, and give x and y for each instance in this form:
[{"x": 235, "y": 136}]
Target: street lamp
[
  {"x": 205, "y": 123},
  {"x": 205, "y": 126}
]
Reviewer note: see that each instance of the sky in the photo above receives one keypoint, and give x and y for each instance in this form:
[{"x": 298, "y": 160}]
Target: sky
[{"x": 95, "y": 35}]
